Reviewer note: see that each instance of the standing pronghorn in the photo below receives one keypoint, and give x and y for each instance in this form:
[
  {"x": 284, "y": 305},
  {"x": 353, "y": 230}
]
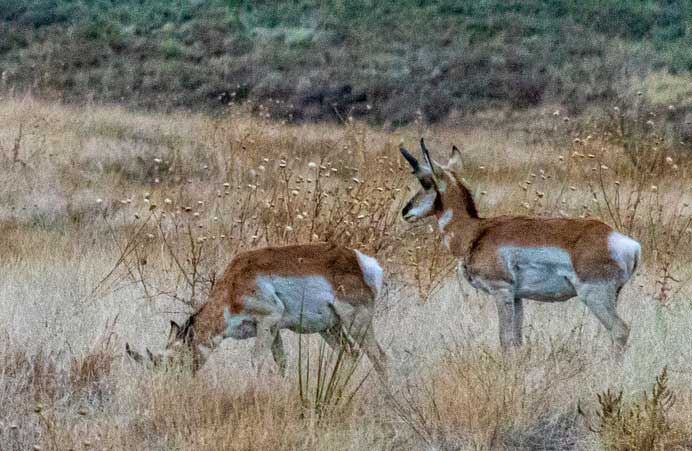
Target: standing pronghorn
[
  {"x": 517, "y": 257},
  {"x": 306, "y": 288}
]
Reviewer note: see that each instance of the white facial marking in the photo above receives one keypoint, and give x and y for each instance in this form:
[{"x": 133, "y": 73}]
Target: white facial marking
[
  {"x": 372, "y": 271},
  {"x": 447, "y": 238},
  {"x": 423, "y": 208},
  {"x": 444, "y": 220},
  {"x": 625, "y": 251},
  {"x": 540, "y": 273}
]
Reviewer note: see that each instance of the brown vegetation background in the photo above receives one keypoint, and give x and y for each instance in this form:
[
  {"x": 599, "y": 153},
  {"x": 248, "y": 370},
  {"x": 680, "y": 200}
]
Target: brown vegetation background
[{"x": 114, "y": 222}]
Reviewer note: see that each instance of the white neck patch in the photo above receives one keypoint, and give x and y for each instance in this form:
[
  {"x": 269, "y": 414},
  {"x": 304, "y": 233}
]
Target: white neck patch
[{"x": 444, "y": 220}]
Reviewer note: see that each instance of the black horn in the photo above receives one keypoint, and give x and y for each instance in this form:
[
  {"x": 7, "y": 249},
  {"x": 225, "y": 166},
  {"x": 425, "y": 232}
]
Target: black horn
[
  {"x": 411, "y": 160},
  {"x": 426, "y": 154}
]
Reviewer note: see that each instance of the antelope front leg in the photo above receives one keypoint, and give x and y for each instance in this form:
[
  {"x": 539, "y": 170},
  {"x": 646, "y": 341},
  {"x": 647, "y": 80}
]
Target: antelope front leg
[
  {"x": 518, "y": 322},
  {"x": 266, "y": 334},
  {"x": 507, "y": 323},
  {"x": 278, "y": 353}
]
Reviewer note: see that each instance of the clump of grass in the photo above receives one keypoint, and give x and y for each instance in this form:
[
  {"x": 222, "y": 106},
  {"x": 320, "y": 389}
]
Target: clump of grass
[
  {"x": 641, "y": 425},
  {"x": 96, "y": 364},
  {"x": 37, "y": 373},
  {"x": 328, "y": 383},
  {"x": 481, "y": 398}
]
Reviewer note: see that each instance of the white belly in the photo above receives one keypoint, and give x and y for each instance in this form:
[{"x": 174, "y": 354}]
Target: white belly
[
  {"x": 307, "y": 301},
  {"x": 540, "y": 273}
]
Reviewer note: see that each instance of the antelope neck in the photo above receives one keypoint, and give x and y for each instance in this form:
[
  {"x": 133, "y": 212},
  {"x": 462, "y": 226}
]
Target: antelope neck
[
  {"x": 208, "y": 325},
  {"x": 458, "y": 229}
]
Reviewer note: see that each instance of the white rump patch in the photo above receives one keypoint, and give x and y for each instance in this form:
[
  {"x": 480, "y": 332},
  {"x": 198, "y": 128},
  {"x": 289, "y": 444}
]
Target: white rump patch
[
  {"x": 444, "y": 220},
  {"x": 625, "y": 251},
  {"x": 372, "y": 271}
]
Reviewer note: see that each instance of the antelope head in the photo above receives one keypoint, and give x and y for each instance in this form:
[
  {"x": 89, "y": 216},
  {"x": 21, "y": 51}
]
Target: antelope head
[
  {"x": 440, "y": 186},
  {"x": 180, "y": 349}
]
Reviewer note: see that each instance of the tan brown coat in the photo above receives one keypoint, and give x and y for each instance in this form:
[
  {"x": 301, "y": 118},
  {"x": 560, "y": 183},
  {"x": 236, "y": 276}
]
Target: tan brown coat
[{"x": 516, "y": 257}]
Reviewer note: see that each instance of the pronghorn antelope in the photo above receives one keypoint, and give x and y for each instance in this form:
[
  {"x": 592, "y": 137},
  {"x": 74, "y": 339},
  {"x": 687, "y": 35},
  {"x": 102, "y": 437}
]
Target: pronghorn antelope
[
  {"x": 311, "y": 288},
  {"x": 516, "y": 257}
]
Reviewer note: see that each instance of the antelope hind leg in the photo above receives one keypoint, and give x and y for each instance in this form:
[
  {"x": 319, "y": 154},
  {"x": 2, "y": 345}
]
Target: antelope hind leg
[{"x": 601, "y": 299}]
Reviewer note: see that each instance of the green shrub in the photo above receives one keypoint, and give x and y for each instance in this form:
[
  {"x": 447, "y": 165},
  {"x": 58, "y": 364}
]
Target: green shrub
[{"x": 397, "y": 57}]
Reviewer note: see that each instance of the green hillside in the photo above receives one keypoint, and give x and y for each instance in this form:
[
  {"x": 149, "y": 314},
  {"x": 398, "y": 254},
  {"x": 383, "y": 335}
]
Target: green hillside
[{"x": 321, "y": 59}]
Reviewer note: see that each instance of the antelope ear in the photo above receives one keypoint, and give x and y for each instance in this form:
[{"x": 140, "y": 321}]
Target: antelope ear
[
  {"x": 134, "y": 355},
  {"x": 173, "y": 334},
  {"x": 455, "y": 163}
]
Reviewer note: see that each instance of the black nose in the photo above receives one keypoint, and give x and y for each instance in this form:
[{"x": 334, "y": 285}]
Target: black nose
[{"x": 406, "y": 209}]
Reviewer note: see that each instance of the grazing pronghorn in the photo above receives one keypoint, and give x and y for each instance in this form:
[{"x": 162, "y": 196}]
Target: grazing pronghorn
[
  {"x": 517, "y": 257},
  {"x": 311, "y": 288}
]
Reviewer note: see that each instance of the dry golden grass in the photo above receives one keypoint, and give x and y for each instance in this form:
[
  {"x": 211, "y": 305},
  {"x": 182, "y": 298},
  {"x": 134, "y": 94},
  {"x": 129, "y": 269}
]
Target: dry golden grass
[{"x": 114, "y": 223}]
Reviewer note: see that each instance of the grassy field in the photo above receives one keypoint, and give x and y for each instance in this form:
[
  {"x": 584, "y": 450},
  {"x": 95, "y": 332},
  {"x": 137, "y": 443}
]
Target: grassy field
[
  {"x": 113, "y": 223},
  {"x": 385, "y": 61}
]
